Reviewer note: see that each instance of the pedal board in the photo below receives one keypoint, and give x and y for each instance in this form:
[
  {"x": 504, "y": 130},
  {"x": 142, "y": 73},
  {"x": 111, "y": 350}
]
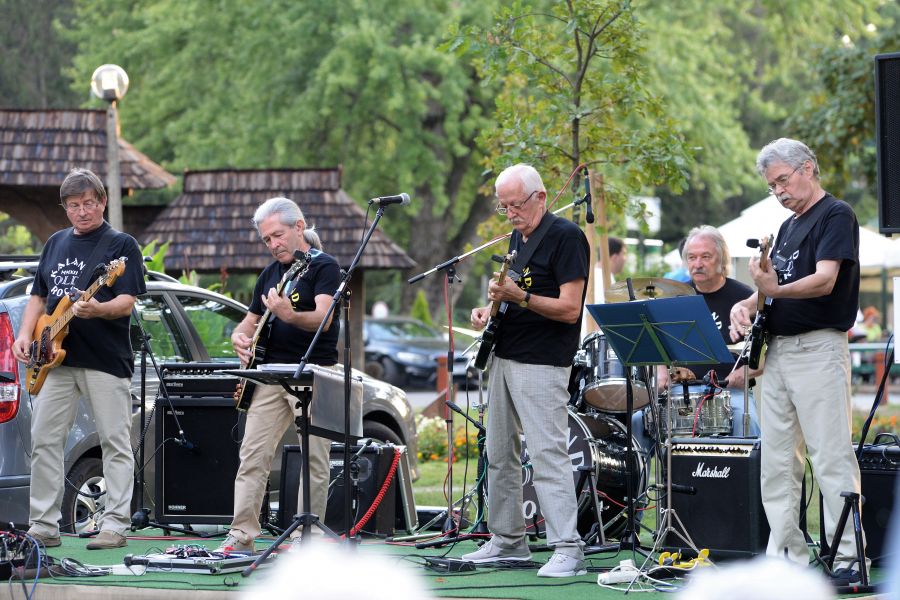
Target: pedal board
[{"x": 202, "y": 565}]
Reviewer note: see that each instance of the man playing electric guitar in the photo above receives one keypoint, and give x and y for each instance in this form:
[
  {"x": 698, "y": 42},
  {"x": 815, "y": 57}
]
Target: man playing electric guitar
[
  {"x": 98, "y": 363},
  {"x": 536, "y": 341},
  {"x": 297, "y": 314},
  {"x": 813, "y": 282}
]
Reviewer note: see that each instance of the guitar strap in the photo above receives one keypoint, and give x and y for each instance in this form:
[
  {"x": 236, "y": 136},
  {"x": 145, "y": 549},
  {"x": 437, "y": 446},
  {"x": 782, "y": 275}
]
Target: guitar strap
[
  {"x": 526, "y": 251},
  {"x": 90, "y": 265}
]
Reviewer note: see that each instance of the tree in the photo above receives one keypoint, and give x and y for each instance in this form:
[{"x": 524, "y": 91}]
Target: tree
[{"x": 360, "y": 83}]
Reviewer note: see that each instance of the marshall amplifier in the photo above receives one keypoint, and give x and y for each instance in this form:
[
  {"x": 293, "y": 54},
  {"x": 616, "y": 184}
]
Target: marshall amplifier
[
  {"x": 722, "y": 507},
  {"x": 397, "y": 510},
  {"x": 878, "y": 467}
]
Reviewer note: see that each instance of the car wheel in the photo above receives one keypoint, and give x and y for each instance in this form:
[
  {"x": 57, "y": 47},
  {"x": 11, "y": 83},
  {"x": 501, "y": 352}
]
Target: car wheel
[
  {"x": 393, "y": 373},
  {"x": 374, "y": 369},
  {"x": 380, "y": 432},
  {"x": 84, "y": 498}
]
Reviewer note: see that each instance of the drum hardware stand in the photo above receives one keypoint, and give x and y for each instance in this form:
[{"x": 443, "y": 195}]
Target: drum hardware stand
[{"x": 851, "y": 503}]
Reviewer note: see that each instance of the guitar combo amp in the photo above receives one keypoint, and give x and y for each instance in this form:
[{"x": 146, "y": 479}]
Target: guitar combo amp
[
  {"x": 878, "y": 468},
  {"x": 397, "y": 510},
  {"x": 722, "y": 509}
]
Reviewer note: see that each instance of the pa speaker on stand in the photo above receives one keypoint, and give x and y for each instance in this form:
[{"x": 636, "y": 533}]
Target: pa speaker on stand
[{"x": 887, "y": 137}]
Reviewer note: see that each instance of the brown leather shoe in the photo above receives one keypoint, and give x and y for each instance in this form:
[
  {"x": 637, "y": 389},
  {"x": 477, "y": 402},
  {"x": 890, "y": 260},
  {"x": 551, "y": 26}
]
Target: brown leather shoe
[
  {"x": 107, "y": 539},
  {"x": 48, "y": 541}
]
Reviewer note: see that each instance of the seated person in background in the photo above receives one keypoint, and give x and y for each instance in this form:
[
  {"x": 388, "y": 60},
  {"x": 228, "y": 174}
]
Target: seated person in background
[
  {"x": 707, "y": 259},
  {"x": 872, "y": 324}
]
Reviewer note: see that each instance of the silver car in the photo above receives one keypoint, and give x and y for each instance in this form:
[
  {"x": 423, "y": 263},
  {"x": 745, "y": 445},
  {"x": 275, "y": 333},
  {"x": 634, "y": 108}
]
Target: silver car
[{"x": 185, "y": 324}]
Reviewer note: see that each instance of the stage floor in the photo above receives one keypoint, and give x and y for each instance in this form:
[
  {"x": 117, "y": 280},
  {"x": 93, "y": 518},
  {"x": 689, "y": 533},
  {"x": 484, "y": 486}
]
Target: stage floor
[{"x": 375, "y": 569}]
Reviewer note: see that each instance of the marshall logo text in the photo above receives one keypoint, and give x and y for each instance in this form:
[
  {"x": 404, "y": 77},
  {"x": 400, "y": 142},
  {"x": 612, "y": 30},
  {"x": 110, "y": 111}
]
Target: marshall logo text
[{"x": 711, "y": 472}]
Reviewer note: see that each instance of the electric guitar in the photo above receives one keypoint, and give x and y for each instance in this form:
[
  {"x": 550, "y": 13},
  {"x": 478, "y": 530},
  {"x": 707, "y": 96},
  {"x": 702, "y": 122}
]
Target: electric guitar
[
  {"x": 243, "y": 394},
  {"x": 50, "y": 330},
  {"x": 758, "y": 330},
  {"x": 498, "y": 309}
]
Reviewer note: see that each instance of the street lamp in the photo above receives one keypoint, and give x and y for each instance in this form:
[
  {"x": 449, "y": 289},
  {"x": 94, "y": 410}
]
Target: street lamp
[{"x": 109, "y": 83}]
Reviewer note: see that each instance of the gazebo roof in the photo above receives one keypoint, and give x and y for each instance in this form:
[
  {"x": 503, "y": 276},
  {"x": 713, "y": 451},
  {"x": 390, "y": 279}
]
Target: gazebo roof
[
  {"x": 38, "y": 148},
  {"x": 209, "y": 226}
]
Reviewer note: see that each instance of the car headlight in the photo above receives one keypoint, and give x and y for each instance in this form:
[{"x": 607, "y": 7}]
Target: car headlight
[{"x": 416, "y": 358}]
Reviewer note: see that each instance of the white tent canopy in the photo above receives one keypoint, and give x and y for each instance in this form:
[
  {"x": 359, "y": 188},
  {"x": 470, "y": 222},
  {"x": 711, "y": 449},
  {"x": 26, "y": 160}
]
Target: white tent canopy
[{"x": 766, "y": 216}]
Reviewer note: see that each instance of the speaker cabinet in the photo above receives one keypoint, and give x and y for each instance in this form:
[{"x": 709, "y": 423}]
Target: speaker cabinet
[
  {"x": 195, "y": 481},
  {"x": 878, "y": 468},
  {"x": 887, "y": 136},
  {"x": 722, "y": 510},
  {"x": 396, "y": 511}
]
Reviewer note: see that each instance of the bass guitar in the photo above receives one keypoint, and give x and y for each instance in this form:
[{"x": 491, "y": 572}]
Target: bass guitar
[
  {"x": 498, "y": 309},
  {"x": 50, "y": 330},
  {"x": 243, "y": 394},
  {"x": 758, "y": 330}
]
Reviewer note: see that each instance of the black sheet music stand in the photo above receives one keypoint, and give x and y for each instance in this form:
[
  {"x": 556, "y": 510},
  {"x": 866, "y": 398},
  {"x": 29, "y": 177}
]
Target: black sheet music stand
[
  {"x": 301, "y": 388},
  {"x": 664, "y": 331}
]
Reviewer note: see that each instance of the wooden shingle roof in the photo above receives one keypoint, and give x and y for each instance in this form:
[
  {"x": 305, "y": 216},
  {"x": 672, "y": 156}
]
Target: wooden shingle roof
[
  {"x": 209, "y": 226},
  {"x": 38, "y": 148}
]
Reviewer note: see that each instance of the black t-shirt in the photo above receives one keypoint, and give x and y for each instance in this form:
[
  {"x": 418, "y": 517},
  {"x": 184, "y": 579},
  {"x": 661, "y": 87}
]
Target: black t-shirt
[
  {"x": 834, "y": 237},
  {"x": 720, "y": 303},
  {"x": 98, "y": 344},
  {"x": 524, "y": 335},
  {"x": 286, "y": 343}
]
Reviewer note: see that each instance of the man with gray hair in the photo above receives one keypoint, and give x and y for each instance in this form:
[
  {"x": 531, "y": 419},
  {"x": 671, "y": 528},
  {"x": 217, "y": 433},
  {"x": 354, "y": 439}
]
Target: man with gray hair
[
  {"x": 296, "y": 315},
  {"x": 535, "y": 344},
  {"x": 813, "y": 283}
]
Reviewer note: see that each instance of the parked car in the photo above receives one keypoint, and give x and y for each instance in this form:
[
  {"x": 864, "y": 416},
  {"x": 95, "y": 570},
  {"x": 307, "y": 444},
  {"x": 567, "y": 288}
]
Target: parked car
[
  {"x": 404, "y": 352},
  {"x": 185, "y": 324}
]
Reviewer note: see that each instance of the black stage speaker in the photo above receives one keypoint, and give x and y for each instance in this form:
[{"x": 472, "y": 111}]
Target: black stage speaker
[
  {"x": 887, "y": 136},
  {"x": 878, "y": 468},
  {"x": 723, "y": 511},
  {"x": 397, "y": 508},
  {"x": 195, "y": 481}
]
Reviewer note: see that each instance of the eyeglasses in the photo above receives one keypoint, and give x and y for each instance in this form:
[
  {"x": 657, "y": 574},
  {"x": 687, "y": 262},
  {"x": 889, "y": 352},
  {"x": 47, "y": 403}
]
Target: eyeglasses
[
  {"x": 87, "y": 205},
  {"x": 502, "y": 210},
  {"x": 783, "y": 180}
]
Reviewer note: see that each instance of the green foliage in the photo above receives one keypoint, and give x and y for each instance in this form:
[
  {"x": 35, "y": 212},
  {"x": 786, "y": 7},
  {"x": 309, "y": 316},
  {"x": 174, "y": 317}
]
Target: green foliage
[
  {"x": 157, "y": 256},
  {"x": 574, "y": 91},
  {"x": 420, "y": 308},
  {"x": 432, "y": 437},
  {"x": 15, "y": 238}
]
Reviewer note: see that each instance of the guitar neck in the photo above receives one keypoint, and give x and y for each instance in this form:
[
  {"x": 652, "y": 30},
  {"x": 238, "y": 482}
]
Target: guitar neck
[{"x": 63, "y": 320}]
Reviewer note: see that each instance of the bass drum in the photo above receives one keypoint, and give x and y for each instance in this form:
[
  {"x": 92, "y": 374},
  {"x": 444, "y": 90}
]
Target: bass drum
[{"x": 598, "y": 441}]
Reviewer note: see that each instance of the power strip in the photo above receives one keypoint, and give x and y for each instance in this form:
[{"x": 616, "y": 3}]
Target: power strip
[{"x": 625, "y": 573}]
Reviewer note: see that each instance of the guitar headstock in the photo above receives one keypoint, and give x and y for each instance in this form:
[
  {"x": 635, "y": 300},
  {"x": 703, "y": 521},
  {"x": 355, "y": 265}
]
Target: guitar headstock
[
  {"x": 765, "y": 248},
  {"x": 115, "y": 269}
]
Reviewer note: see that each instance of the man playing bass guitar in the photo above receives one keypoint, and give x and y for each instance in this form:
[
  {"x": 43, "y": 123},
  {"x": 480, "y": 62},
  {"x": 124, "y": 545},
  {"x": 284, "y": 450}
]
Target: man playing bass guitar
[{"x": 296, "y": 314}]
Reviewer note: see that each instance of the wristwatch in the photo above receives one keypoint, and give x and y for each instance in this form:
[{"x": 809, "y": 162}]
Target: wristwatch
[{"x": 524, "y": 302}]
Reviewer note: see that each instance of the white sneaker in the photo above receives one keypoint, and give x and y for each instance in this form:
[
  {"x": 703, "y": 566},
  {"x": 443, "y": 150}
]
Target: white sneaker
[
  {"x": 231, "y": 544},
  {"x": 490, "y": 552},
  {"x": 562, "y": 565}
]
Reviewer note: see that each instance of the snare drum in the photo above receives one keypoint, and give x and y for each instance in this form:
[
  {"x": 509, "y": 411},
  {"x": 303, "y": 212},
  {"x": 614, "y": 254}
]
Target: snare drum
[
  {"x": 697, "y": 417},
  {"x": 604, "y": 379}
]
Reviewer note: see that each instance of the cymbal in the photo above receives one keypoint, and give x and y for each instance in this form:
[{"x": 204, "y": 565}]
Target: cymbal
[{"x": 648, "y": 288}]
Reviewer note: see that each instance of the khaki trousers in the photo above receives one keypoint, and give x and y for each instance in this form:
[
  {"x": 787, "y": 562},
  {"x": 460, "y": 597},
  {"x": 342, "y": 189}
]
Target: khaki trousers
[
  {"x": 806, "y": 399},
  {"x": 270, "y": 414},
  {"x": 54, "y": 413}
]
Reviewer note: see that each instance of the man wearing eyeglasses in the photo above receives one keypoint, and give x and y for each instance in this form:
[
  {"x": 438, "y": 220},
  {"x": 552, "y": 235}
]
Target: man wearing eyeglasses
[
  {"x": 806, "y": 398},
  {"x": 535, "y": 343},
  {"x": 98, "y": 363}
]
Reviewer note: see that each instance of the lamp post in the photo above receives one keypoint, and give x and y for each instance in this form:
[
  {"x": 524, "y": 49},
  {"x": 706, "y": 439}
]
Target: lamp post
[{"x": 109, "y": 83}]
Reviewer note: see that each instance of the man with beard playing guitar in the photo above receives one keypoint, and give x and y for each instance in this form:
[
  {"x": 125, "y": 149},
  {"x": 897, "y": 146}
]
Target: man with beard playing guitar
[
  {"x": 296, "y": 314},
  {"x": 535, "y": 343}
]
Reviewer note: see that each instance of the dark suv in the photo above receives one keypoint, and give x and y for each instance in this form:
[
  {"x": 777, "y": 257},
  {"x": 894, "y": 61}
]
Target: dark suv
[{"x": 185, "y": 324}]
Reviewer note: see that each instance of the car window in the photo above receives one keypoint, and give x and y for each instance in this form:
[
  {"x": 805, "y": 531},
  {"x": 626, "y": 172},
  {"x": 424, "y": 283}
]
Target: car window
[
  {"x": 166, "y": 339},
  {"x": 214, "y": 322},
  {"x": 399, "y": 330}
]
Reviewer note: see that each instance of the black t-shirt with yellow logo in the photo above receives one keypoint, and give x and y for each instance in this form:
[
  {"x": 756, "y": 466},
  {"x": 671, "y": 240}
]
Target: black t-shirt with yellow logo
[
  {"x": 286, "y": 343},
  {"x": 527, "y": 337}
]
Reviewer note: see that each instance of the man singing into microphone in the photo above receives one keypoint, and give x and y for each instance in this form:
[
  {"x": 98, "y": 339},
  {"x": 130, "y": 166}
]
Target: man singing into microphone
[{"x": 535, "y": 343}]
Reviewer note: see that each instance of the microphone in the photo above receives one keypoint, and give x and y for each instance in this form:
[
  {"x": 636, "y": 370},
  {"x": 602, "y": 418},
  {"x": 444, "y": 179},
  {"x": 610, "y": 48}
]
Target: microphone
[
  {"x": 753, "y": 243},
  {"x": 401, "y": 199},
  {"x": 589, "y": 215},
  {"x": 677, "y": 488},
  {"x": 186, "y": 444}
]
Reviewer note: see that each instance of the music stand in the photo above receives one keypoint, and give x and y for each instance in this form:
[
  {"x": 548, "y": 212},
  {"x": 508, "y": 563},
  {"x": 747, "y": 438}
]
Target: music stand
[
  {"x": 670, "y": 331},
  {"x": 301, "y": 387}
]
